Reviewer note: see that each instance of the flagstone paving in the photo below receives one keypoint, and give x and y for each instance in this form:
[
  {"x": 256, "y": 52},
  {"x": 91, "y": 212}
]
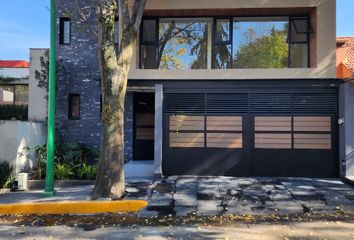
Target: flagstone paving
[
  {"x": 255, "y": 196},
  {"x": 204, "y": 196}
]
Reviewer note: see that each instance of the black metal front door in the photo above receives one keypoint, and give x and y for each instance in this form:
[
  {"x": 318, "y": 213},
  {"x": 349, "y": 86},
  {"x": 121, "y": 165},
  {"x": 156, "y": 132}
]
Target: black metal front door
[{"x": 144, "y": 109}]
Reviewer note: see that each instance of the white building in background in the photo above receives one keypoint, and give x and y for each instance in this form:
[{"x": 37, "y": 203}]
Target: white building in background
[
  {"x": 19, "y": 86},
  {"x": 15, "y": 69}
]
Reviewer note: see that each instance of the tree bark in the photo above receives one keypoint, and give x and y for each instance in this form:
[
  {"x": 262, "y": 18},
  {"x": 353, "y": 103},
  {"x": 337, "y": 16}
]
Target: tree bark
[{"x": 114, "y": 77}]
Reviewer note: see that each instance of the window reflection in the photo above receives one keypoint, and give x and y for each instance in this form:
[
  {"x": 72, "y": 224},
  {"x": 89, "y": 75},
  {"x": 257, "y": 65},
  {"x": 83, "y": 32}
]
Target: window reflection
[
  {"x": 183, "y": 44},
  {"x": 260, "y": 43}
]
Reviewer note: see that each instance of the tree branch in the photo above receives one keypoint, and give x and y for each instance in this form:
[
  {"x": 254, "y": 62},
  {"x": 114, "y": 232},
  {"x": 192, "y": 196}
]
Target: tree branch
[
  {"x": 124, "y": 16},
  {"x": 138, "y": 12}
]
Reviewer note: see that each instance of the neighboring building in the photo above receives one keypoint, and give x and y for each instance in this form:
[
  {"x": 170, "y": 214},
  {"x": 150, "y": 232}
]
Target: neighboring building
[
  {"x": 14, "y": 82},
  {"x": 345, "y": 70},
  {"x": 240, "y": 88},
  {"x": 19, "y": 86},
  {"x": 345, "y": 57},
  {"x": 14, "y": 69}
]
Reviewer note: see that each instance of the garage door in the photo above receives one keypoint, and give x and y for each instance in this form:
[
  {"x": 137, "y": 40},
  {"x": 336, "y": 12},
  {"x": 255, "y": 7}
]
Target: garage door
[{"x": 251, "y": 133}]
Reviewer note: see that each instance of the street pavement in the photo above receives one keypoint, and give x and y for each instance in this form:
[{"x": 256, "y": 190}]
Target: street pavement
[{"x": 294, "y": 231}]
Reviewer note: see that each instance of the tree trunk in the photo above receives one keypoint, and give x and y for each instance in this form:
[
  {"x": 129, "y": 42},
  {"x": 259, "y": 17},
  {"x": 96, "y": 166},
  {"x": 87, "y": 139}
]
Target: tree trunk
[{"x": 114, "y": 78}]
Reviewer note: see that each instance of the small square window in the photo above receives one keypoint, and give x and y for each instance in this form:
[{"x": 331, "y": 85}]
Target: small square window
[
  {"x": 65, "y": 31},
  {"x": 74, "y": 106}
]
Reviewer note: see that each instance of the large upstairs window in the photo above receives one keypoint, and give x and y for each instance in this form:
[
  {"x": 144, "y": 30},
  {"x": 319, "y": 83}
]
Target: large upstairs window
[
  {"x": 224, "y": 43},
  {"x": 176, "y": 44}
]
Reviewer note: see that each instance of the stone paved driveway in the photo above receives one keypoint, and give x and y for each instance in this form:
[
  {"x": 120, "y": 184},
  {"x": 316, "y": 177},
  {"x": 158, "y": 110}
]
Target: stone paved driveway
[{"x": 181, "y": 196}]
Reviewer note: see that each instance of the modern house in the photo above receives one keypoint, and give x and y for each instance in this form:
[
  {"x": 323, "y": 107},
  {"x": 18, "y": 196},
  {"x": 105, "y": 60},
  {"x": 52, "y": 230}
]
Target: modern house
[{"x": 237, "y": 88}]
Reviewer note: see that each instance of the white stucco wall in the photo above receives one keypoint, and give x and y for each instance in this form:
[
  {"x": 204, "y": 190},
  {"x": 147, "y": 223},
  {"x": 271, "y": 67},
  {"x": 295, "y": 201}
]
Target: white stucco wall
[
  {"x": 325, "y": 50},
  {"x": 37, "y": 107},
  {"x": 14, "y": 136}
]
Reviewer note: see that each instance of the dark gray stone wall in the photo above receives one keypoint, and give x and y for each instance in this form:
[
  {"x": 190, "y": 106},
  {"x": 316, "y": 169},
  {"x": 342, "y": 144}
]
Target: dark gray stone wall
[
  {"x": 129, "y": 126},
  {"x": 78, "y": 73}
]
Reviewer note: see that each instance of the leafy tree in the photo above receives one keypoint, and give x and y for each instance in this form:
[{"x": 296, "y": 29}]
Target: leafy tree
[
  {"x": 114, "y": 69},
  {"x": 270, "y": 51}
]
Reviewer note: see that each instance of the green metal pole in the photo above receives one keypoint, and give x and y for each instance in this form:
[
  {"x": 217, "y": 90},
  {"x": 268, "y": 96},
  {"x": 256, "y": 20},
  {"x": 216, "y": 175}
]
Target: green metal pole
[{"x": 49, "y": 180}]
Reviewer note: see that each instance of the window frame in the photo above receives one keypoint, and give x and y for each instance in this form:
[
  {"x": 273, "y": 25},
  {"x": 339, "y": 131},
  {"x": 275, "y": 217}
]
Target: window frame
[
  {"x": 70, "y": 106},
  {"x": 290, "y": 17},
  {"x": 148, "y": 43},
  {"x": 308, "y": 38},
  {"x": 222, "y": 43},
  {"x": 62, "y": 21}
]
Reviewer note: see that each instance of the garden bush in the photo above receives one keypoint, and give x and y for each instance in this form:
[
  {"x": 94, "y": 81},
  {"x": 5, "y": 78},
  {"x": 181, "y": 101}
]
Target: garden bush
[
  {"x": 9, "y": 112},
  {"x": 6, "y": 177},
  {"x": 72, "y": 161}
]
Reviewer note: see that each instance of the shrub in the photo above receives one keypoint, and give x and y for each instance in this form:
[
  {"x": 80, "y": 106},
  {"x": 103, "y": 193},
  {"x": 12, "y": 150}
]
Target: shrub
[
  {"x": 87, "y": 172},
  {"x": 76, "y": 153},
  {"x": 6, "y": 177},
  {"x": 18, "y": 112},
  {"x": 72, "y": 161},
  {"x": 41, "y": 156},
  {"x": 63, "y": 171}
]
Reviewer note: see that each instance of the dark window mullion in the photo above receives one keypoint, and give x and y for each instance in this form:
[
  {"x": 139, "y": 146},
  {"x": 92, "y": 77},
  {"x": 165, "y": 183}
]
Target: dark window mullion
[
  {"x": 216, "y": 43},
  {"x": 289, "y": 44},
  {"x": 205, "y": 119},
  {"x": 232, "y": 42}
]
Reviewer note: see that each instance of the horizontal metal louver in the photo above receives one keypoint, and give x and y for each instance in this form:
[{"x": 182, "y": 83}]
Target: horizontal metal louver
[
  {"x": 227, "y": 103},
  {"x": 315, "y": 103},
  {"x": 184, "y": 103},
  {"x": 270, "y": 103}
]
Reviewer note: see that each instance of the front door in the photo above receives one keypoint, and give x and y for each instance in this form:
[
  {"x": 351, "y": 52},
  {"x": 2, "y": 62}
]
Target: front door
[{"x": 144, "y": 119}]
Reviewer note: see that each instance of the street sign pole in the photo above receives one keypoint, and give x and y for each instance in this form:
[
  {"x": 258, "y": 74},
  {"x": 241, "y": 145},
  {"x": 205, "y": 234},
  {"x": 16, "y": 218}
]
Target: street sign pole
[{"x": 49, "y": 180}]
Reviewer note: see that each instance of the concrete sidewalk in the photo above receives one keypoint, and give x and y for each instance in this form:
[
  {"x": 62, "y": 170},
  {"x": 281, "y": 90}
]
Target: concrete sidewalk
[{"x": 205, "y": 196}]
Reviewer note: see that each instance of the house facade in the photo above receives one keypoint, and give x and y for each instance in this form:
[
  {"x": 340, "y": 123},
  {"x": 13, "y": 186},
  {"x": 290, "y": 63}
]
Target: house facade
[{"x": 237, "y": 88}]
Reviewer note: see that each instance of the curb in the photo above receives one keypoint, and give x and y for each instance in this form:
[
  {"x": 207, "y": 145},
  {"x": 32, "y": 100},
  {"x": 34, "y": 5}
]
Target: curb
[
  {"x": 349, "y": 180},
  {"x": 73, "y": 207}
]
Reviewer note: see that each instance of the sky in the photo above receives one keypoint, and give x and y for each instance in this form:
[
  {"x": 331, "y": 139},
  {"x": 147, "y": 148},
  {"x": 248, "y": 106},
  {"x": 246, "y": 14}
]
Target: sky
[{"x": 24, "y": 24}]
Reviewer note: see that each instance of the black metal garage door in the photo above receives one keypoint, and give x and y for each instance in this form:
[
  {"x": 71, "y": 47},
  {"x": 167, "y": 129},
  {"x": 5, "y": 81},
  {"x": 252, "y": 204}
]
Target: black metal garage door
[{"x": 251, "y": 133}]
